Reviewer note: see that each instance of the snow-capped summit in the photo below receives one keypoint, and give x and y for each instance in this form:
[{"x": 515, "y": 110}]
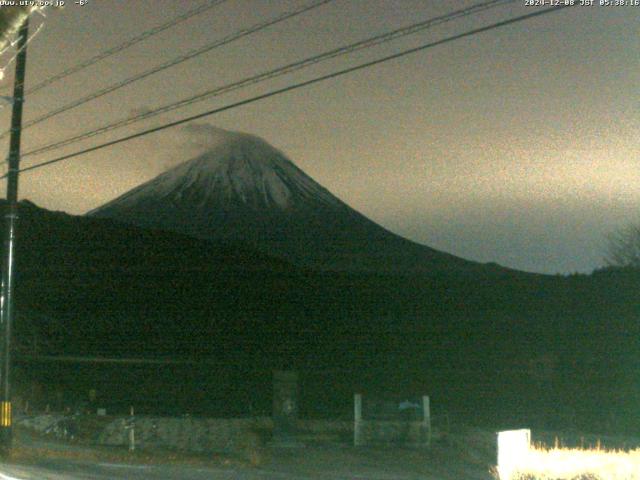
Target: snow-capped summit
[
  {"x": 244, "y": 190},
  {"x": 239, "y": 168}
]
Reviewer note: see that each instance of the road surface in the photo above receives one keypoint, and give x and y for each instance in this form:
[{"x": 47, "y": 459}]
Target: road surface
[
  {"x": 469, "y": 458},
  {"x": 70, "y": 470}
]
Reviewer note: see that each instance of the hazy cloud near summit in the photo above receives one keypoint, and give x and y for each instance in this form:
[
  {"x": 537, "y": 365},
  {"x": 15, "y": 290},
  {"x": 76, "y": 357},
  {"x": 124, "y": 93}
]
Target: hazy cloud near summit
[
  {"x": 177, "y": 145},
  {"x": 201, "y": 136}
]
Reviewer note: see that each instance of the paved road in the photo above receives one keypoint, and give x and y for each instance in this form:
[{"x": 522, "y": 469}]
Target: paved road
[
  {"x": 69, "y": 470},
  {"x": 66, "y": 470},
  {"x": 313, "y": 462}
]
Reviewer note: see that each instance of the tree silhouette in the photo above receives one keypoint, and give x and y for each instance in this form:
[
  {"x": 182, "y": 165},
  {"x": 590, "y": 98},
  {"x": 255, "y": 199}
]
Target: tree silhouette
[{"x": 623, "y": 248}]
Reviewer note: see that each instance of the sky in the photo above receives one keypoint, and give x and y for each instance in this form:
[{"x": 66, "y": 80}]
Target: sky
[{"x": 517, "y": 146}]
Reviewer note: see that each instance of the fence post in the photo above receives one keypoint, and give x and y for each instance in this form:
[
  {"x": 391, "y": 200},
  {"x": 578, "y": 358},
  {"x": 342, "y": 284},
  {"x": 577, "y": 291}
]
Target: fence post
[
  {"x": 426, "y": 411},
  {"x": 132, "y": 432},
  {"x": 357, "y": 419}
]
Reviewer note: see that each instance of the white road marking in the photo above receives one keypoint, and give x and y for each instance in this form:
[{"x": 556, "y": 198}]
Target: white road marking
[
  {"x": 8, "y": 477},
  {"x": 123, "y": 465}
]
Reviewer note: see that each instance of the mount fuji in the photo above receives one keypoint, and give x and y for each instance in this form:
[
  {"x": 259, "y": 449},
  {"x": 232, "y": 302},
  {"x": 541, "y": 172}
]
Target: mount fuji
[{"x": 243, "y": 190}]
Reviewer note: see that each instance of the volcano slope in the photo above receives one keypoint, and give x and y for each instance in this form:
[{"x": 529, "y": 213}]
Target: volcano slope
[{"x": 245, "y": 190}]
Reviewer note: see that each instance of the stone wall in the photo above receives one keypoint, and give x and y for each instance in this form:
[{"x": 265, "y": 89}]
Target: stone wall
[
  {"x": 312, "y": 426},
  {"x": 192, "y": 434},
  {"x": 44, "y": 423}
]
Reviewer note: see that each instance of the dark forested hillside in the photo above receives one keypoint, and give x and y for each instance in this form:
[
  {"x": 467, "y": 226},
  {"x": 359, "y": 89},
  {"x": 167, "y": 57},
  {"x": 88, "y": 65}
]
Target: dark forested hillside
[{"x": 489, "y": 347}]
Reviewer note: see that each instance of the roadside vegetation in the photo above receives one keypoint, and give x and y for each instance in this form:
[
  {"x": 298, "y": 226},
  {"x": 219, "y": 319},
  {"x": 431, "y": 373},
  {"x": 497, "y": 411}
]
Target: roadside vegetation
[{"x": 558, "y": 463}]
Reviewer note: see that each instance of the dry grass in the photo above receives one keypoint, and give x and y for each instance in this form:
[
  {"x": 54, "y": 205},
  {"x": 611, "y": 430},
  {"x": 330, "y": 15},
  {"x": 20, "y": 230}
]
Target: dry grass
[
  {"x": 22, "y": 454},
  {"x": 31, "y": 448},
  {"x": 543, "y": 463},
  {"x": 252, "y": 448}
]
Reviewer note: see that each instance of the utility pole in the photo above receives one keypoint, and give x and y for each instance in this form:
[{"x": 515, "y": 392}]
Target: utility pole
[{"x": 11, "y": 216}]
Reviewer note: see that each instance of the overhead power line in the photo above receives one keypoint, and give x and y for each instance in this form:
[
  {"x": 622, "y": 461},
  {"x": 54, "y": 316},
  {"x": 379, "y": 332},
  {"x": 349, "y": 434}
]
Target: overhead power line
[
  {"x": 299, "y": 85},
  {"x": 116, "y": 360},
  {"x": 176, "y": 61},
  {"x": 209, "y": 4},
  {"x": 271, "y": 74}
]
